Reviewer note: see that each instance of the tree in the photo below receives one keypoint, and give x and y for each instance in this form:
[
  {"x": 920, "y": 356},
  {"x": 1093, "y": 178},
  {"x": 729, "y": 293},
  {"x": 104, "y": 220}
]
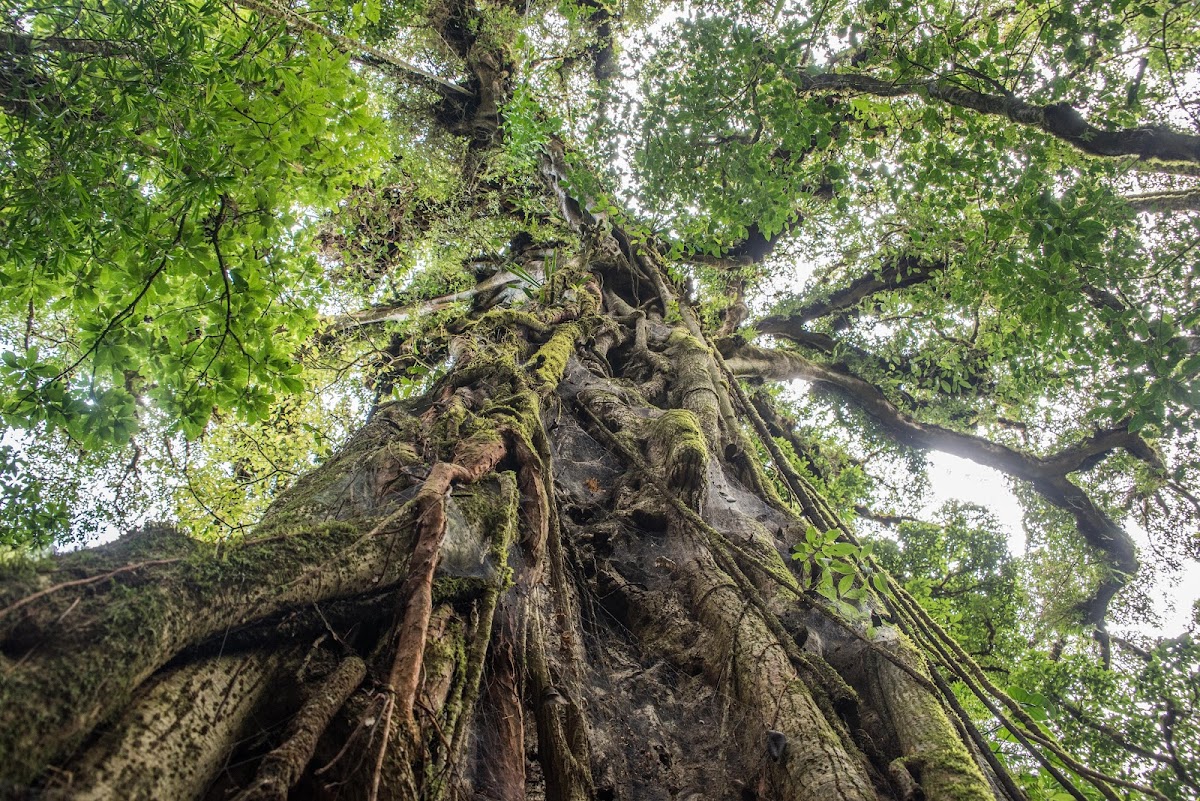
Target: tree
[{"x": 581, "y": 547}]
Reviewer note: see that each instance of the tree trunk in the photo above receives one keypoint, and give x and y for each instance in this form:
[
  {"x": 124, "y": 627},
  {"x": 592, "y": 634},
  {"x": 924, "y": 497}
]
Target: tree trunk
[{"x": 563, "y": 568}]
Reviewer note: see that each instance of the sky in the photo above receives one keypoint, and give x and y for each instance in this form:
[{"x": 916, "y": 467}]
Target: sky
[{"x": 953, "y": 478}]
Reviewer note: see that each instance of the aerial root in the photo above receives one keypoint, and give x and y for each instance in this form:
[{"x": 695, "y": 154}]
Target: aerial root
[
  {"x": 282, "y": 768},
  {"x": 416, "y": 593}
]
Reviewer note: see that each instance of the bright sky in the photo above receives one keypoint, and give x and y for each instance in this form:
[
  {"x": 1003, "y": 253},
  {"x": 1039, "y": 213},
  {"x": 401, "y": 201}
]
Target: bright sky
[{"x": 952, "y": 477}]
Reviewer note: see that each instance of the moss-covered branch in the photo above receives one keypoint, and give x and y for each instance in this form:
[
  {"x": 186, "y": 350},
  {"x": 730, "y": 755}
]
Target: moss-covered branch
[{"x": 898, "y": 273}]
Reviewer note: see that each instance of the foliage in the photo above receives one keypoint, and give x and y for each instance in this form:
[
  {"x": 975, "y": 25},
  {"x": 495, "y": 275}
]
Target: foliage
[
  {"x": 230, "y": 476},
  {"x": 1133, "y": 717},
  {"x": 159, "y": 161},
  {"x": 201, "y": 204},
  {"x": 960, "y": 569},
  {"x": 833, "y": 569},
  {"x": 1022, "y": 223},
  {"x": 28, "y": 518}
]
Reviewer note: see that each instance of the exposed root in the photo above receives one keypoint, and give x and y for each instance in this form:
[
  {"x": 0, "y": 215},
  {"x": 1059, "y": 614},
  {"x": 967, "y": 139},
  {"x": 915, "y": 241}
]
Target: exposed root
[
  {"x": 416, "y": 593},
  {"x": 282, "y": 768}
]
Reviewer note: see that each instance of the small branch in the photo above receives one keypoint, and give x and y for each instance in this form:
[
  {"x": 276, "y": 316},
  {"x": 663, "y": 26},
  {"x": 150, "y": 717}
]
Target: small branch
[
  {"x": 756, "y": 247},
  {"x": 1165, "y": 202},
  {"x": 885, "y": 519},
  {"x": 127, "y": 312},
  {"x": 362, "y": 53},
  {"x": 899, "y": 273},
  {"x": 1133, "y": 648},
  {"x": 1117, "y": 737}
]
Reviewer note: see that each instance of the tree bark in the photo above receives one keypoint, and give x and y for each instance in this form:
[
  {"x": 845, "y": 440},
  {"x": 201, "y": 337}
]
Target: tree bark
[{"x": 561, "y": 574}]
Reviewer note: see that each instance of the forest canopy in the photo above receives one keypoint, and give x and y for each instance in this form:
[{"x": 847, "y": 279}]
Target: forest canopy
[{"x": 232, "y": 232}]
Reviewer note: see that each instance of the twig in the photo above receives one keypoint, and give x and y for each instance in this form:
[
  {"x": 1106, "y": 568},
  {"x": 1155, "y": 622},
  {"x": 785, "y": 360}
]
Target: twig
[
  {"x": 28, "y": 599},
  {"x": 359, "y": 51}
]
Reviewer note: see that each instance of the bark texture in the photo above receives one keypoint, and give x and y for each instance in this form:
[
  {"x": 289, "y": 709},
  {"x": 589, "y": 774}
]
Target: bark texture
[{"x": 557, "y": 575}]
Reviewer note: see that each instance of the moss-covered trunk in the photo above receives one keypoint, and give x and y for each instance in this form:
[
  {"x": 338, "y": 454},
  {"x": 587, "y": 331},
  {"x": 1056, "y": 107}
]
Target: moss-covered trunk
[{"x": 561, "y": 574}]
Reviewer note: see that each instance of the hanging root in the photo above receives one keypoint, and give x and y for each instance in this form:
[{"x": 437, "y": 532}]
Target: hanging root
[
  {"x": 282, "y": 768},
  {"x": 561, "y": 726},
  {"x": 479, "y": 455},
  {"x": 502, "y": 764}
]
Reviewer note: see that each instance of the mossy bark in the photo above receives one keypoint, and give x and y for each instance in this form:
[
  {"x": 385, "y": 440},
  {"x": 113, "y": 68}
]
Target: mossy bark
[
  {"x": 177, "y": 732},
  {"x": 560, "y": 580}
]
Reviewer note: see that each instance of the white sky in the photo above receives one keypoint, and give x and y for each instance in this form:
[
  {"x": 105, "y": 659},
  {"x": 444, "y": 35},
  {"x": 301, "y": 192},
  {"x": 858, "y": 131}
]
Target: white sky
[{"x": 953, "y": 478}]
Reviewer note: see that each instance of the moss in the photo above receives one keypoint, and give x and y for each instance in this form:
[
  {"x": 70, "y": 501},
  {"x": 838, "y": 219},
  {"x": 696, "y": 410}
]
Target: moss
[
  {"x": 483, "y": 503},
  {"x": 129, "y": 626},
  {"x": 521, "y": 411},
  {"x": 495, "y": 371},
  {"x": 947, "y": 773},
  {"x": 481, "y": 440},
  {"x": 504, "y": 318},
  {"x": 678, "y": 431},
  {"x": 452, "y": 418},
  {"x": 550, "y": 361},
  {"x": 291, "y": 544},
  {"x": 133, "y": 629},
  {"x": 771, "y": 562},
  {"x": 455, "y": 589},
  {"x": 682, "y": 339},
  {"x": 450, "y": 649},
  {"x": 679, "y": 446},
  {"x": 492, "y": 506},
  {"x": 503, "y": 516}
]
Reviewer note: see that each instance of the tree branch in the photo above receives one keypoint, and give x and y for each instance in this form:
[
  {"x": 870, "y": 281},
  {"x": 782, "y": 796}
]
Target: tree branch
[
  {"x": 1157, "y": 142},
  {"x": 396, "y": 312},
  {"x": 1077, "y": 712},
  {"x": 1165, "y": 202},
  {"x": 757, "y": 247},
  {"x": 362, "y": 53},
  {"x": 884, "y": 518},
  {"x": 899, "y": 273},
  {"x": 20, "y": 44},
  {"x": 1047, "y": 475}
]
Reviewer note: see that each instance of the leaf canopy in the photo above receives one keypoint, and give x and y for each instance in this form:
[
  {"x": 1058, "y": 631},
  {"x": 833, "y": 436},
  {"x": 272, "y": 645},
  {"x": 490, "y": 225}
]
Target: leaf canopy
[{"x": 230, "y": 230}]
